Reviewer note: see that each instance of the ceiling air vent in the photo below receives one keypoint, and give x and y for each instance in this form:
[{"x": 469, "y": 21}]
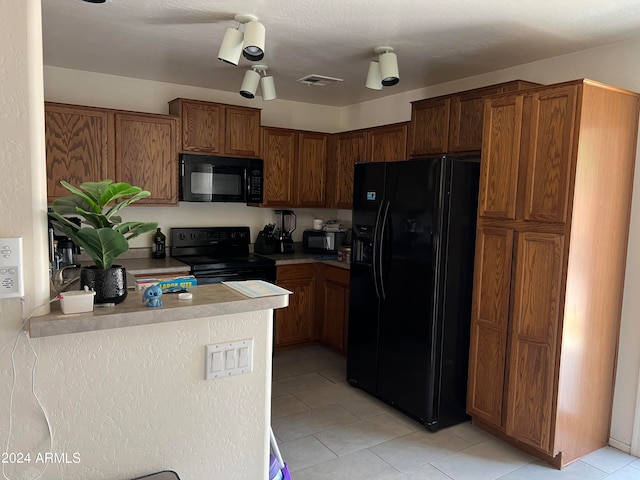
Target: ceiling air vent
[{"x": 318, "y": 80}]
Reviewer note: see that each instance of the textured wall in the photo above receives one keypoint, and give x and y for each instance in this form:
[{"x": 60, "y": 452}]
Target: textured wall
[{"x": 127, "y": 402}]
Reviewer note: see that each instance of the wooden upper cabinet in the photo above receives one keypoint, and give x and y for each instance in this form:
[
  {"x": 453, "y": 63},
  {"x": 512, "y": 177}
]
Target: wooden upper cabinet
[
  {"x": 453, "y": 123},
  {"x": 201, "y": 125},
  {"x": 146, "y": 154},
  {"x": 551, "y": 117},
  {"x": 534, "y": 337},
  {"x": 79, "y": 146},
  {"x": 218, "y": 129},
  {"x": 429, "y": 128},
  {"x": 500, "y": 157},
  {"x": 242, "y": 131},
  {"x": 312, "y": 160},
  {"x": 490, "y": 320},
  {"x": 348, "y": 148},
  {"x": 467, "y": 114},
  {"x": 279, "y": 148},
  {"x": 387, "y": 143}
]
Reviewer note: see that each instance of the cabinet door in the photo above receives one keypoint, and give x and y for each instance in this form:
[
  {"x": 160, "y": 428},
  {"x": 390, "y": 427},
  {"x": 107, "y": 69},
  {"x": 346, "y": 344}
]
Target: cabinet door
[
  {"x": 465, "y": 123},
  {"x": 349, "y": 149},
  {"x": 279, "y": 147},
  {"x": 78, "y": 146},
  {"x": 387, "y": 144},
  {"x": 242, "y": 132},
  {"x": 146, "y": 155},
  {"x": 552, "y": 121},
  {"x": 429, "y": 129},
  {"x": 489, "y": 323},
  {"x": 500, "y": 157},
  {"x": 294, "y": 324},
  {"x": 534, "y": 336},
  {"x": 335, "y": 307},
  {"x": 312, "y": 160},
  {"x": 201, "y": 126}
]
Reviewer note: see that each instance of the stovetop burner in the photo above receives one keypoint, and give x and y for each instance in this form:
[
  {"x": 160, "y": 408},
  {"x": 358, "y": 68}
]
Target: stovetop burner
[
  {"x": 204, "y": 262},
  {"x": 216, "y": 248}
]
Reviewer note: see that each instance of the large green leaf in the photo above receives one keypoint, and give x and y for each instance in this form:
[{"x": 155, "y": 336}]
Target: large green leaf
[
  {"x": 90, "y": 200},
  {"x": 133, "y": 229},
  {"x": 116, "y": 191},
  {"x": 120, "y": 205},
  {"x": 103, "y": 245}
]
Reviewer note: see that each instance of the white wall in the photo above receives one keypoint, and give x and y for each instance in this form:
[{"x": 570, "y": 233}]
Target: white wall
[
  {"x": 615, "y": 64},
  {"x": 132, "y": 401},
  {"x": 127, "y": 401}
]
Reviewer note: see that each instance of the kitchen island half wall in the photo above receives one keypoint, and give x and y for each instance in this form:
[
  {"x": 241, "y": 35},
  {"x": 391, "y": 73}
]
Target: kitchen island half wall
[{"x": 132, "y": 400}]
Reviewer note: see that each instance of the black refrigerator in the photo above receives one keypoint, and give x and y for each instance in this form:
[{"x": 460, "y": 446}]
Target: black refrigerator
[{"x": 411, "y": 283}]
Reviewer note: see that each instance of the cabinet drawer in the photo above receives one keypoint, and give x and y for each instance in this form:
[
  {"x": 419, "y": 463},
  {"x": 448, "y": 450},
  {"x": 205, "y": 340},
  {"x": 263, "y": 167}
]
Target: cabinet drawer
[
  {"x": 337, "y": 275},
  {"x": 292, "y": 272}
]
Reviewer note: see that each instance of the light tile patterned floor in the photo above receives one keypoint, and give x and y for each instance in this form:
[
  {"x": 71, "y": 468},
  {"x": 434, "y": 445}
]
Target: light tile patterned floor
[{"x": 327, "y": 429}]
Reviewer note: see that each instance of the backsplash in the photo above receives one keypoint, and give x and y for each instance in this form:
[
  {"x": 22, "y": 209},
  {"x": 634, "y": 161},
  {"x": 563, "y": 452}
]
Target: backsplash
[{"x": 224, "y": 214}]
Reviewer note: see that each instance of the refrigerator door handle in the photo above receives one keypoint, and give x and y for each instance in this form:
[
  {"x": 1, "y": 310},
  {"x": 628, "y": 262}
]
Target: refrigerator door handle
[
  {"x": 374, "y": 253},
  {"x": 381, "y": 249}
]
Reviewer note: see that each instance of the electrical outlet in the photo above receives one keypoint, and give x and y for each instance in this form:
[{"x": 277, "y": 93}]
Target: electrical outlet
[
  {"x": 11, "y": 284},
  {"x": 229, "y": 358}
]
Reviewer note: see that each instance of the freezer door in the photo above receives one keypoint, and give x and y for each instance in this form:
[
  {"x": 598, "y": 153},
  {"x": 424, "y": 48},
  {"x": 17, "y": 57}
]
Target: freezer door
[
  {"x": 410, "y": 244},
  {"x": 364, "y": 287}
]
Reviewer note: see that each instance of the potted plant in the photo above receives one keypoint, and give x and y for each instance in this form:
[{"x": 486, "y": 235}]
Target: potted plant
[{"x": 101, "y": 233}]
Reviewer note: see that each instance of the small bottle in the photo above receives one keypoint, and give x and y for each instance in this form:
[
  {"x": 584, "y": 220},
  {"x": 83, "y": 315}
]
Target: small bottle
[{"x": 157, "y": 250}]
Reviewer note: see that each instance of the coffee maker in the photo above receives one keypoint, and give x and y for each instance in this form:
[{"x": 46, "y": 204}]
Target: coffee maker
[
  {"x": 62, "y": 251},
  {"x": 284, "y": 242}
]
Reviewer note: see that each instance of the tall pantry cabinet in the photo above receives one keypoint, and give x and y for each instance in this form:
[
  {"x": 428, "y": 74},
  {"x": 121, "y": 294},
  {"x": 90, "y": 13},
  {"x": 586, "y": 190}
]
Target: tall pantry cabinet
[{"x": 553, "y": 219}]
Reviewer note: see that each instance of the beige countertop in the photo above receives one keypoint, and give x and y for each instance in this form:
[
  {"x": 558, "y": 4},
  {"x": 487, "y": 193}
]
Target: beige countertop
[
  {"x": 208, "y": 301},
  {"x": 300, "y": 257}
]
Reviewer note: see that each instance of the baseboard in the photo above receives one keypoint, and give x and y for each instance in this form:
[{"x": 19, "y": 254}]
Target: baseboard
[{"x": 623, "y": 447}]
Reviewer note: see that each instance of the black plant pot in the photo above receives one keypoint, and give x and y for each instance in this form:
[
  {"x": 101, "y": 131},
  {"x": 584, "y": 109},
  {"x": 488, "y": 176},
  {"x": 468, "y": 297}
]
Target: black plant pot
[{"x": 109, "y": 284}]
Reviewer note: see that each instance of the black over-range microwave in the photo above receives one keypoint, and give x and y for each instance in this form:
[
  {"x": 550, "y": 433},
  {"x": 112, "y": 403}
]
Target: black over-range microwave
[{"x": 206, "y": 178}]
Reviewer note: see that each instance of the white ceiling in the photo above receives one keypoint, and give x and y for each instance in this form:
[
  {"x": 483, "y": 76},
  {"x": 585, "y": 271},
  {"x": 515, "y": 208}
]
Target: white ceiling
[{"x": 177, "y": 41}]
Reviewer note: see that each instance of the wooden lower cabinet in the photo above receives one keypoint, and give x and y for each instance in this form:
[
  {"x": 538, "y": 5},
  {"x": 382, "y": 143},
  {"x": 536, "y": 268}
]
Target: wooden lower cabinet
[
  {"x": 295, "y": 324},
  {"x": 332, "y": 306}
]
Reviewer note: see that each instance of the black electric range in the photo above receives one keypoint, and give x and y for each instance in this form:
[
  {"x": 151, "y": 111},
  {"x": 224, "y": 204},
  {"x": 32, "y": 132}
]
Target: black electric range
[{"x": 217, "y": 254}]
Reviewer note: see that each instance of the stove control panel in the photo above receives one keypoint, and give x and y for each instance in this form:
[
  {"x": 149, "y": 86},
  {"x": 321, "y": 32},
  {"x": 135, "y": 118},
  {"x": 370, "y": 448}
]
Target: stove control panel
[{"x": 217, "y": 237}]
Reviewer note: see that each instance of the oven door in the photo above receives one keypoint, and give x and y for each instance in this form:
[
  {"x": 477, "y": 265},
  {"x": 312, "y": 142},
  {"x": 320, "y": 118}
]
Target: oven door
[{"x": 236, "y": 274}]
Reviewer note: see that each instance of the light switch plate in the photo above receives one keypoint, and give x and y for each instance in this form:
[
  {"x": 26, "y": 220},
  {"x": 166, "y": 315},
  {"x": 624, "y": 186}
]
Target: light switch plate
[
  {"x": 228, "y": 358},
  {"x": 11, "y": 282}
]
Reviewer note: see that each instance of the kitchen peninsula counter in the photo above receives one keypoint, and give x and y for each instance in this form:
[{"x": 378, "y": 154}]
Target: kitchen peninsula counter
[{"x": 208, "y": 301}]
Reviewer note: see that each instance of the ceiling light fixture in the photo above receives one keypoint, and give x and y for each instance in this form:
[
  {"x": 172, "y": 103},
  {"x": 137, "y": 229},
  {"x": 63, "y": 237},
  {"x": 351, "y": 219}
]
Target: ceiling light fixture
[
  {"x": 250, "y": 83},
  {"x": 374, "y": 78},
  {"x": 254, "y": 36},
  {"x": 384, "y": 72},
  {"x": 267, "y": 84},
  {"x": 250, "y": 44}
]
